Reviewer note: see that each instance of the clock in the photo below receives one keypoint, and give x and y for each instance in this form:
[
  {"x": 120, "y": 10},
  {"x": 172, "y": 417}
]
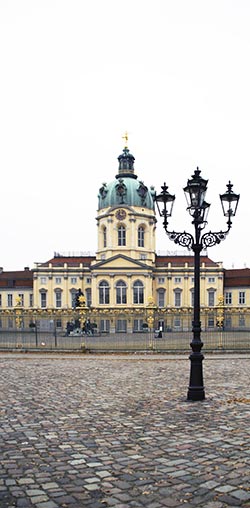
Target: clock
[{"x": 120, "y": 214}]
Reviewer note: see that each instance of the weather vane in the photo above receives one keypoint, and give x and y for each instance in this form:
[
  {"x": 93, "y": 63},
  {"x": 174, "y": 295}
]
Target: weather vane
[{"x": 125, "y": 137}]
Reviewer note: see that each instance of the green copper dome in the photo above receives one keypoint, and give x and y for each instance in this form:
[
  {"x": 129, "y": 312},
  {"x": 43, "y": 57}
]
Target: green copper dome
[{"x": 126, "y": 189}]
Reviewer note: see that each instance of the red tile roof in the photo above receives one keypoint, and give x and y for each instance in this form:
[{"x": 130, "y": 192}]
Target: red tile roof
[
  {"x": 16, "y": 279},
  {"x": 237, "y": 277}
]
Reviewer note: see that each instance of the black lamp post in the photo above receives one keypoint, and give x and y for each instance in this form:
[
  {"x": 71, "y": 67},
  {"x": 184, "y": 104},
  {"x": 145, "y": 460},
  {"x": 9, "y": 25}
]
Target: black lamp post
[{"x": 198, "y": 208}]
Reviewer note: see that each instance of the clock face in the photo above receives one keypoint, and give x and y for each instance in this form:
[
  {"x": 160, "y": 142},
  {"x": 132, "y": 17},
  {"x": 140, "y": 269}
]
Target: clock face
[{"x": 120, "y": 214}]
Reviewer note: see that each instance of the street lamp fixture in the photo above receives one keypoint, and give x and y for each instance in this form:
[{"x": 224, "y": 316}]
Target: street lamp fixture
[{"x": 195, "y": 192}]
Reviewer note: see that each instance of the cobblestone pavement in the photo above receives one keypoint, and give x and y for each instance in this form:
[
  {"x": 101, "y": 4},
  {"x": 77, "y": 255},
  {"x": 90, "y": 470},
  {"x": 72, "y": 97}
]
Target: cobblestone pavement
[{"x": 117, "y": 431}]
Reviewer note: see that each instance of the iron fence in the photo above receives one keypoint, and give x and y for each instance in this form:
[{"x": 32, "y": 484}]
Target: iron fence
[{"x": 179, "y": 341}]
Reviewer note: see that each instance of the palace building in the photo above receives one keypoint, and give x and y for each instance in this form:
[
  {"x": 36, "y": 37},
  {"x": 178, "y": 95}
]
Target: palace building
[{"x": 126, "y": 285}]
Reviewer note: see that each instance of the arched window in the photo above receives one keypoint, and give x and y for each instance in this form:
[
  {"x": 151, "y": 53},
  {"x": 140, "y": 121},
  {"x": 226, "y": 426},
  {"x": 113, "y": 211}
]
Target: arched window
[
  {"x": 121, "y": 292},
  {"x": 121, "y": 235},
  {"x": 138, "y": 292},
  {"x": 104, "y": 232},
  {"x": 141, "y": 235},
  {"x": 103, "y": 292}
]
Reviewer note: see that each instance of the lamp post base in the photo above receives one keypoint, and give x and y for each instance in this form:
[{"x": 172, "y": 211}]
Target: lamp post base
[{"x": 196, "y": 389}]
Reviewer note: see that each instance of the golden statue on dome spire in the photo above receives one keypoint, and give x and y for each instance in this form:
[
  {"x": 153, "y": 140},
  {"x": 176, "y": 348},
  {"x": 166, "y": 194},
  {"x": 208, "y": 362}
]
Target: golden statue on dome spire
[{"x": 125, "y": 137}]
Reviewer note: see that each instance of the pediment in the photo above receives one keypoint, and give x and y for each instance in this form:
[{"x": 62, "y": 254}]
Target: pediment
[{"x": 120, "y": 262}]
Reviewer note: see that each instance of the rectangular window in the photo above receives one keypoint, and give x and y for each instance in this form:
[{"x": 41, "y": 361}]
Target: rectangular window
[
  {"x": 31, "y": 300},
  {"x": 58, "y": 323},
  {"x": 192, "y": 298},
  {"x": 177, "y": 298},
  {"x": 177, "y": 280},
  {"x": 143, "y": 256},
  {"x": 228, "y": 322},
  {"x": 121, "y": 236},
  {"x": 138, "y": 325},
  {"x": 10, "y": 322},
  {"x": 88, "y": 297},
  {"x": 210, "y": 322},
  {"x": 228, "y": 298},
  {"x": 105, "y": 325},
  {"x": 211, "y": 298},
  {"x": 21, "y": 297},
  {"x": 242, "y": 322},
  {"x": 121, "y": 325},
  {"x": 211, "y": 279},
  {"x": 177, "y": 323},
  {"x": 58, "y": 280},
  {"x": 161, "y": 298},
  {"x": 73, "y": 280},
  {"x": 88, "y": 280},
  {"x": 43, "y": 300},
  {"x": 58, "y": 299},
  {"x": 9, "y": 300},
  {"x": 43, "y": 280},
  {"x": 161, "y": 280},
  {"x": 242, "y": 297}
]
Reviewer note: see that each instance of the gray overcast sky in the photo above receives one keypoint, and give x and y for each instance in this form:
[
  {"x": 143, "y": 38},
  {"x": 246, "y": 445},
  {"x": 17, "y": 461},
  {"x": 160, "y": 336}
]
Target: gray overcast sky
[{"x": 76, "y": 74}]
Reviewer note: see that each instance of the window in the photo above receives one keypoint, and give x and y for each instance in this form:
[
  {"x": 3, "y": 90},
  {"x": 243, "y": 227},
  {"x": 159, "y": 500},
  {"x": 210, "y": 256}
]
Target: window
[
  {"x": 242, "y": 320},
  {"x": 103, "y": 257},
  {"x": 88, "y": 297},
  {"x": 210, "y": 321},
  {"x": 211, "y": 279},
  {"x": 177, "y": 280},
  {"x": 138, "y": 325},
  {"x": 177, "y": 298},
  {"x": 141, "y": 236},
  {"x": 228, "y": 298},
  {"x": 211, "y": 298},
  {"x": 88, "y": 280},
  {"x": 43, "y": 280},
  {"x": 242, "y": 297},
  {"x": 105, "y": 325},
  {"x": 228, "y": 322},
  {"x": 21, "y": 296},
  {"x": 58, "y": 280},
  {"x": 43, "y": 296},
  {"x": 73, "y": 293},
  {"x": 58, "y": 295},
  {"x": 161, "y": 297},
  {"x": 10, "y": 322},
  {"x": 58, "y": 323},
  {"x": 0, "y": 300},
  {"x": 177, "y": 323},
  {"x": 143, "y": 256},
  {"x": 73, "y": 280},
  {"x": 103, "y": 292},
  {"x": 121, "y": 326},
  {"x": 192, "y": 297},
  {"x": 9, "y": 300},
  {"x": 121, "y": 292},
  {"x": 104, "y": 232},
  {"x": 138, "y": 292},
  {"x": 31, "y": 300},
  {"x": 121, "y": 236},
  {"x": 161, "y": 280}
]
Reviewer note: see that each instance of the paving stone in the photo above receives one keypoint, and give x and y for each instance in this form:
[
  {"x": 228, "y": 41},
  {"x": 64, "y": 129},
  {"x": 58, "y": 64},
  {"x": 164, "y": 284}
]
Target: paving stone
[{"x": 116, "y": 430}]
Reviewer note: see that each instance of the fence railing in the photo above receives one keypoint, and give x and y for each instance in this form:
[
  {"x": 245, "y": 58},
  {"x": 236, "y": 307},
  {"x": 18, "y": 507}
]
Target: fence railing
[{"x": 26, "y": 340}]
